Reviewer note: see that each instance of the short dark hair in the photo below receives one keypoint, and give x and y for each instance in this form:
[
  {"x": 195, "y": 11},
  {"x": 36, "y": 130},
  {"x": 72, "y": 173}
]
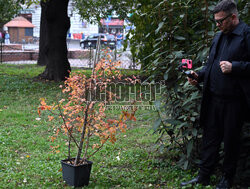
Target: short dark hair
[{"x": 228, "y": 6}]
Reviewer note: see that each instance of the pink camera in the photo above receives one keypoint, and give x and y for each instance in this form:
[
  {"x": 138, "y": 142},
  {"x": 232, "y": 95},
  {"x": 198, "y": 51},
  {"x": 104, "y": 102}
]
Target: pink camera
[{"x": 186, "y": 63}]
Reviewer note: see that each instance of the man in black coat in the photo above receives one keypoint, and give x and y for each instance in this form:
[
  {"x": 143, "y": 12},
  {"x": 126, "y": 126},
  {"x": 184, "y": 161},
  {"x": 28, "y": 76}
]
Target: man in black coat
[{"x": 226, "y": 94}]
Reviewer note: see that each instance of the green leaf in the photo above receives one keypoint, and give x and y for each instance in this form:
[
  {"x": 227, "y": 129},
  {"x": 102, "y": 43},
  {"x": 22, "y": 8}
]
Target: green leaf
[
  {"x": 157, "y": 124},
  {"x": 189, "y": 148},
  {"x": 185, "y": 165},
  {"x": 157, "y": 104},
  {"x": 159, "y": 27},
  {"x": 182, "y": 15},
  {"x": 178, "y": 54},
  {"x": 180, "y": 38},
  {"x": 181, "y": 125},
  {"x": 172, "y": 121},
  {"x": 211, "y": 33},
  {"x": 211, "y": 8},
  {"x": 194, "y": 132},
  {"x": 192, "y": 119},
  {"x": 195, "y": 114},
  {"x": 166, "y": 75}
]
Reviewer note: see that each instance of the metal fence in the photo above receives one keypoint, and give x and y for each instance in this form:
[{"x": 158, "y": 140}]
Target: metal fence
[{"x": 27, "y": 53}]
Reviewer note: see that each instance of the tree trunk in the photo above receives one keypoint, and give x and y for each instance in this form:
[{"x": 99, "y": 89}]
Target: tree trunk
[{"x": 54, "y": 47}]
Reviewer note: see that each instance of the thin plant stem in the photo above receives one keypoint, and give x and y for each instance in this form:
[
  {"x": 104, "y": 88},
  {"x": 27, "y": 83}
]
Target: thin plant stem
[
  {"x": 87, "y": 145},
  {"x": 64, "y": 122},
  {"x": 82, "y": 135}
]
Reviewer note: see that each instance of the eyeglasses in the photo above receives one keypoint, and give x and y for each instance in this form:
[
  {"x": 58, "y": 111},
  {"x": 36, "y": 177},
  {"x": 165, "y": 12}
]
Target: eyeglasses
[{"x": 220, "y": 21}]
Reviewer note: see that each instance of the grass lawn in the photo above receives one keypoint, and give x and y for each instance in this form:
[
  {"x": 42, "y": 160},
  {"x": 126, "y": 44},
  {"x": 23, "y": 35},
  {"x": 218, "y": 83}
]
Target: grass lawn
[{"x": 27, "y": 161}]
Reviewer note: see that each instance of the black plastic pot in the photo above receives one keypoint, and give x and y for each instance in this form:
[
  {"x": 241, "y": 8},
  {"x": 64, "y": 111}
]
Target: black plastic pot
[{"x": 76, "y": 175}]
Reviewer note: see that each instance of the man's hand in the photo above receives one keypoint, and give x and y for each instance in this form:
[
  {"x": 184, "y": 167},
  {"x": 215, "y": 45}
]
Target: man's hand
[
  {"x": 193, "y": 81},
  {"x": 226, "y": 67}
]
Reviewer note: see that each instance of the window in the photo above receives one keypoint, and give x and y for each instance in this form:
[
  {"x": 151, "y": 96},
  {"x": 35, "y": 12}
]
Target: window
[
  {"x": 28, "y": 31},
  {"x": 84, "y": 24}
]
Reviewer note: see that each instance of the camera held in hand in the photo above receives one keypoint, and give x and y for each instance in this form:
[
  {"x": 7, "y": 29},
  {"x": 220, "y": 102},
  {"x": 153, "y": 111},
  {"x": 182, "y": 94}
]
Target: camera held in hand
[{"x": 187, "y": 64}]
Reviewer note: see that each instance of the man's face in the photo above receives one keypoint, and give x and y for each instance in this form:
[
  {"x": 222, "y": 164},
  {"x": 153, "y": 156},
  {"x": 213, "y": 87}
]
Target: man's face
[{"x": 224, "y": 21}]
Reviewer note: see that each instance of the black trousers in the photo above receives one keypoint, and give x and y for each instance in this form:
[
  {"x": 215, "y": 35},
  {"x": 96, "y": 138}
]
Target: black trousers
[{"x": 223, "y": 123}]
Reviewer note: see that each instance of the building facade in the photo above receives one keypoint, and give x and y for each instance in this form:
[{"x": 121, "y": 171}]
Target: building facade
[{"x": 77, "y": 25}]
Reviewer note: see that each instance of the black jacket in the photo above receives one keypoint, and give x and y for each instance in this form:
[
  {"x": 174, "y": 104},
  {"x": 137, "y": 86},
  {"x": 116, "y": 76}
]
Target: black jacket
[{"x": 237, "y": 52}]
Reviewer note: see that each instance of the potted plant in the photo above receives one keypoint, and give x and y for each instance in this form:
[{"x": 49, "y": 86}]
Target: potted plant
[{"x": 83, "y": 117}]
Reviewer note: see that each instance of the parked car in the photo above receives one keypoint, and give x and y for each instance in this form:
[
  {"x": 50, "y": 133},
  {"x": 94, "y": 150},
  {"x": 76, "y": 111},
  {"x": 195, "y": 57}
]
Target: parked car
[
  {"x": 111, "y": 41},
  {"x": 91, "y": 41}
]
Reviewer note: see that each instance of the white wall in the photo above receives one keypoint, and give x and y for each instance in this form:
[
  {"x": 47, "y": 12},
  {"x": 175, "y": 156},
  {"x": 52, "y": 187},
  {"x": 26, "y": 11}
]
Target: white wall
[
  {"x": 80, "y": 26},
  {"x": 76, "y": 22},
  {"x": 36, "y": 16}
]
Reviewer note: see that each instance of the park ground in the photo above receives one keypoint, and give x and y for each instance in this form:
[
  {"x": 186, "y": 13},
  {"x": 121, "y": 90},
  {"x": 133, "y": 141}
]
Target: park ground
[{"x": 26, "y": 157}]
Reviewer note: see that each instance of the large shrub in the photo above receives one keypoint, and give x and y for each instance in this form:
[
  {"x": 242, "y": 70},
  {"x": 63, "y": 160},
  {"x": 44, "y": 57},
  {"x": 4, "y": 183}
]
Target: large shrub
[{"x": 165, "y": 32}]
